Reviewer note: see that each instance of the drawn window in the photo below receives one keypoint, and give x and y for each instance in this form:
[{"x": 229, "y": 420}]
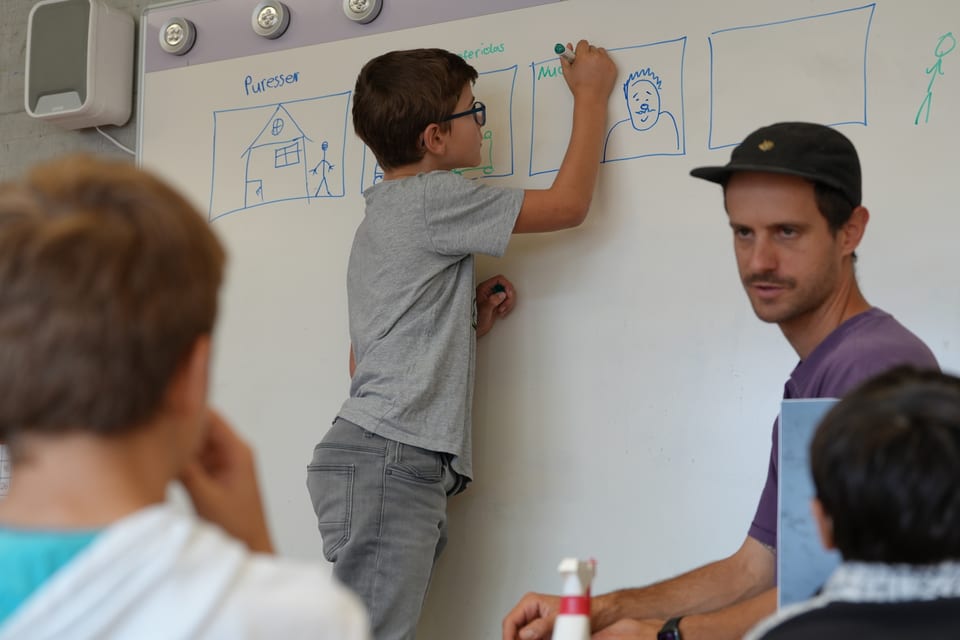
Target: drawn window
[
  {"x": 277, "y": 126},
  {"x": 287, "y": 156}
]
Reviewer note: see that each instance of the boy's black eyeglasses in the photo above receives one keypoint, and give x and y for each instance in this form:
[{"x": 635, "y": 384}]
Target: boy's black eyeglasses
[{"x": 479, "y": 113}]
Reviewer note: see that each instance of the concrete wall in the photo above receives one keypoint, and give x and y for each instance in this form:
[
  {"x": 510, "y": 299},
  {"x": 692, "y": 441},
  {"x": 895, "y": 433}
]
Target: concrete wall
[{"x": 24, "y": 141}]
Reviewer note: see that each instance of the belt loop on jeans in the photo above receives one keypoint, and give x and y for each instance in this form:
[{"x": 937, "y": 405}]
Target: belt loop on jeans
[{"x": 393, "y": 450}]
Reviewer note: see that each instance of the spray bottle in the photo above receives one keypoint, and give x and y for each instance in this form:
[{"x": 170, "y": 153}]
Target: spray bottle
[{"x": 573, "y": 621}]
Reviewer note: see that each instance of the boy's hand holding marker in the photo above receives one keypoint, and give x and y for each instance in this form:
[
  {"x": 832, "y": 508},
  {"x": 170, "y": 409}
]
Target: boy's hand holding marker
[
  {"x": 590, "y": 75},
  {"x": 594, "y": 70},
  {"x": 495, "y": 299}
]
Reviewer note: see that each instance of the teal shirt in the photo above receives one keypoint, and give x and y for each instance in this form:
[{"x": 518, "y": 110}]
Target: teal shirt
[{"x": 28, "y": 559}]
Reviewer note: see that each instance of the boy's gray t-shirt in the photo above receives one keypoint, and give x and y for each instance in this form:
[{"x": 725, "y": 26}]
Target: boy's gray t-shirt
[{"x": 410, "y": 290}]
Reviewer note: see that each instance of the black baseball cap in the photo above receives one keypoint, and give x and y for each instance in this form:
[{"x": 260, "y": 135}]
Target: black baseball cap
[{"x": 803, "y": 149}]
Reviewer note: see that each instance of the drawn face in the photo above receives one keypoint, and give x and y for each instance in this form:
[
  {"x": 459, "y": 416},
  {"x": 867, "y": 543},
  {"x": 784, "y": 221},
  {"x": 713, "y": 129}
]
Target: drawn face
[
  {"x": 643, "y": 101},
  {"x": 465, "y": 138},
  {"x": 788, "y": 258}
]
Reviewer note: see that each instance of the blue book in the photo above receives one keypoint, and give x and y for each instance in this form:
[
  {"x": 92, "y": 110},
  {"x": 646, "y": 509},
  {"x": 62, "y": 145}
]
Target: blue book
[{"x": 803, "y": 565}]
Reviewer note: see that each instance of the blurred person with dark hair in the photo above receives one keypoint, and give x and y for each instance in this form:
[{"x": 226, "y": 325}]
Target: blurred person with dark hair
[{"x": 886, "y": 468}]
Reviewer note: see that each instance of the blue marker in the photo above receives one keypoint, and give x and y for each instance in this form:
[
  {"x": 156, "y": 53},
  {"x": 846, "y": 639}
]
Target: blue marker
[
  {"x": 564, "y": 53},
  {"x": 497, "y": 288}
]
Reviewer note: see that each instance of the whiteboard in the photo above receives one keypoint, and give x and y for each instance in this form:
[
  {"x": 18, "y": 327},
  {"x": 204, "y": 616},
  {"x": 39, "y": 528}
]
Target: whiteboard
[{"x": 623, "y": 411}]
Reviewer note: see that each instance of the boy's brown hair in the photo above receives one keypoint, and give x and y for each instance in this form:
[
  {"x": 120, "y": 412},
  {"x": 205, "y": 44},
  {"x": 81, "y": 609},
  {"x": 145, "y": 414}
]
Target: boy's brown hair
[
  {"x": 401, "y": 92},
  {"x": 107, "y": 279}
]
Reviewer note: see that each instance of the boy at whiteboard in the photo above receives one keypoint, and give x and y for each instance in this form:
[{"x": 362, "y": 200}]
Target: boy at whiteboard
[
  {"x": 108, "y": 297},
  {"x": 400, "y": 444}
]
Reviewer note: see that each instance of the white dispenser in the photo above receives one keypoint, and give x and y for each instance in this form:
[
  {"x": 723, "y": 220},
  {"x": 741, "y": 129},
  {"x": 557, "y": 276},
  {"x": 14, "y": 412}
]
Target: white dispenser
[
  {"x": 573, "y": 621},
  {"x": 79, "y": 63}
]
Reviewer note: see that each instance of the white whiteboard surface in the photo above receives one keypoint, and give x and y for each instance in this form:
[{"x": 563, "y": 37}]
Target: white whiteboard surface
[{"x": 624, "y": 410}]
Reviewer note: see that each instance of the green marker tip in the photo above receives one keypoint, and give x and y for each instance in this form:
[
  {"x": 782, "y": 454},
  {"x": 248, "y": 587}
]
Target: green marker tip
[{"x": 564, "y": 53}]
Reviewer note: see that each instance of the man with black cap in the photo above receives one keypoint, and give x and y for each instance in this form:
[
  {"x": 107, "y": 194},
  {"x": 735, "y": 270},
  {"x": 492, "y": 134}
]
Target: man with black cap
[{"x": 792, "y": 193}]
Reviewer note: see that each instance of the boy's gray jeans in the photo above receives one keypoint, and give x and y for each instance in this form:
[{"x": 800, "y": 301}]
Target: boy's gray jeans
[{"x": 382, "y": 513}]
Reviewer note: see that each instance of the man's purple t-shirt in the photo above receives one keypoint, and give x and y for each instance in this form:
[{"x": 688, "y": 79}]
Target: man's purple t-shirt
[{"x": 864, "y": 346}]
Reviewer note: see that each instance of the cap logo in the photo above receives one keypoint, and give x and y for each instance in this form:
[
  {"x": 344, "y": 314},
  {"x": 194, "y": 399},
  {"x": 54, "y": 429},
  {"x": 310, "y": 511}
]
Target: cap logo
[{"x": 766, "y": 145}]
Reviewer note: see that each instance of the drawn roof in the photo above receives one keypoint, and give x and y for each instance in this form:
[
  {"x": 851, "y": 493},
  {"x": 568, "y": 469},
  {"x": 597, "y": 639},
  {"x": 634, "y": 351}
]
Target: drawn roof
[{"x": 267, "y": 130}]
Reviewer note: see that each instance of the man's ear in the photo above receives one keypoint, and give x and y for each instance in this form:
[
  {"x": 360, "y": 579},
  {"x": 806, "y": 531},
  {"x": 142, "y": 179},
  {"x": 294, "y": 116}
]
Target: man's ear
[
  {"x": 434, "y": 139},
  {"x": 824, "y": 524},
  {"x": 188, "y": 388},
  {"x": 854, "y": 228}
]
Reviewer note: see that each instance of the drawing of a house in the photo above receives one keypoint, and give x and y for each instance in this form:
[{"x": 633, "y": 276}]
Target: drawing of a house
[{"x": 275, "y": 167}]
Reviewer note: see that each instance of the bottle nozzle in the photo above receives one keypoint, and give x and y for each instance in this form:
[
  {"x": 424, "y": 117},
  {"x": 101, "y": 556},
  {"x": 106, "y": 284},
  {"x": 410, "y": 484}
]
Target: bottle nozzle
[{"x": 577, "y": 575}]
